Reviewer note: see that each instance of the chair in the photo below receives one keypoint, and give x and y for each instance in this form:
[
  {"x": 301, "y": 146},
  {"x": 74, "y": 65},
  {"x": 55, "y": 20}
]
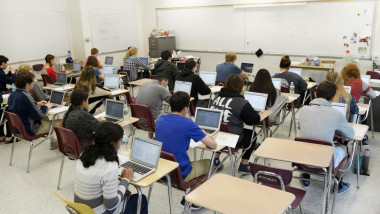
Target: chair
[
  {"x": 278, "y": 179},
  {"x": 38, "y": 67},
  {"x": 34, "y": 95},
  {"x": 128, "y": 97},
  {"x": 78, "y": 207},
  {"x": 146, "y": 120},
  {"x": 18, "y": 130},
  {"x": 68, "y": 145},
  {"x": 373, "y": 74},
  {"x": 47, "y": 79},
  {"x": 153, "y": 76}
]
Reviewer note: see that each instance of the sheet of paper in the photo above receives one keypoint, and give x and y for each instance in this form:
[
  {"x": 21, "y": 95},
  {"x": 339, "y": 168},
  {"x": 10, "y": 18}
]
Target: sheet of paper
[
  {"x": 100, "y": 115},
  {"x": 194, "y": 144},
  {"x": 227, "y": 140}
]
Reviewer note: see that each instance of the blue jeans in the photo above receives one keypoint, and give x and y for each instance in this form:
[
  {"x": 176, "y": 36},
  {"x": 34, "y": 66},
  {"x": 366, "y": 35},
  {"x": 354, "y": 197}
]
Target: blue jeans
[{"x": 131, "y": 207}]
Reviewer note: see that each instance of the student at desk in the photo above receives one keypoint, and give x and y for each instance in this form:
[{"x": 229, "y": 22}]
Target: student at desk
[
  {"x": 4, "y": 78},
  {"x": 227, "y": 68},
  {"x": 93, "y": 62},
  {"x": 132, "y": 63},
  {"x": 237, "y": 111},
  {"x": 49, "y": 67},
  {"x": 94, "y": 53},
  {"x": 37, "y": 89},
  {"x": 166, "y": 66},
  {"x": 321, "y": 121}
]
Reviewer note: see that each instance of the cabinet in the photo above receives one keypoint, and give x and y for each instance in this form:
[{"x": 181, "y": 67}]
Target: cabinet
[{"x": 157, "y": 45}]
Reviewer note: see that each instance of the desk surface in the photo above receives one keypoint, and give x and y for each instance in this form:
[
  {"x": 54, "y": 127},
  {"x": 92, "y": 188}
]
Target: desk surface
[
  {"x": 127, "y": 119},
  {"x": 60, "y": 88},
  {"x": 311, "y": 67},
  {"x": 362, "y": 108},
  {"x": 291, "y": 100},
  {"x": 118, "y": 92},
  {"x": 167, "y": 104},
  {"x": 140, "y": 81},
  {"x": 296, "y": 152},
  {"x": 311, "y": 85},
  {"x": 360, "y": 131},
  {"x": 226, "y": 194},
  {"x": 218, "y": 147}
]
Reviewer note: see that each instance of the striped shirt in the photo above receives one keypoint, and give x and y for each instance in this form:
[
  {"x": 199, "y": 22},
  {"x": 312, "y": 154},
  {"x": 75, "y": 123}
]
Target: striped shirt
[
  {"x": 132, "y": 63},
  {"x": 98, "y": 187}
]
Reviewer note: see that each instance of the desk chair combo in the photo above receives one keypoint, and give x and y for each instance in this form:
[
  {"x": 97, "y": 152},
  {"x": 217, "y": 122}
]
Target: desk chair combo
[
  {"x": 146, "y": 120},
  {"x": 76, "y": 208},
  {"x": 47, "y": 79}
]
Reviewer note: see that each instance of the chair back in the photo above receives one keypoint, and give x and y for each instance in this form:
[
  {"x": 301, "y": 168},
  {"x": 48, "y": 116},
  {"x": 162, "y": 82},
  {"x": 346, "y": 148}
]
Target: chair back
[
  {"x": 68, "y": 142},
  {"x": 130, "y": 99},
  {"x": 47, "y": 79},
  {"x": 271, "y": 176},
  {"x": 80, "y": 208},
  {"x": 373, "y": 74},
  {"x": 191, "y": 108},
  {"x": 219, "y": 83},
  {"x": 313, "y": 140},
  {"x": 146, "y": 119},
  {"x": 224, "y": 127},
  {"x": 153, "y": 76},
  {"x": 175, "y": 175},
  {"x": 16, "y": 126},
  {"x": 34, "y": 95},
  {"x": 38, "y": 67},
  {"x": 285, "y": 89}
]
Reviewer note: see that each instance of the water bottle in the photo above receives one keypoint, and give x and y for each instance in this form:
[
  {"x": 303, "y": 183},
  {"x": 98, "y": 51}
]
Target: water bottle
[
  {"x": 121, "y": 83},
  {"x": 125, "y": 110},
  {"x": 365, "y": 159},
  {"x": 124, "y": 146},
  {"x": 292, "y": 89},
  {"x": 13, "y": 87}
]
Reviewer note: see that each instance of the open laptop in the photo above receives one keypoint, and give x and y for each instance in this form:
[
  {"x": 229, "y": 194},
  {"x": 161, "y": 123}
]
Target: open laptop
[
  {"x": 296, "y": 70},
  {"x": 347, "y": 88},
  {"x": 208, "y": 77},
  {"x": 61, "y": 78},
  {"x": 182, "y": 86},
  {"x": 277, "y": 83},
  {"x": 56, "y": 98},
  {"x": 144, "y": 157},
  {"x": 257, "y": 100},
  {"x": 365, "y": 78},
  {"x": 208, "y": 119},
  {"x": 145, "y": 60},
  {"x": 114, "y": 111},
  {"x": 247, "y": 67},
  {"x": 111, "y": 81},
  {"x": 109, "y": 69},
  {"x": 341, "y": 107},
  {"x": 108, "y": 60},
  {"x": 76, "y": 67}
]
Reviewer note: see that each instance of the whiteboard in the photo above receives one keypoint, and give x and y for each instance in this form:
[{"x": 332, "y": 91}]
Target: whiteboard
[
  {"x": 27, "y": 36},
  {"x": 113, "y": 30}
]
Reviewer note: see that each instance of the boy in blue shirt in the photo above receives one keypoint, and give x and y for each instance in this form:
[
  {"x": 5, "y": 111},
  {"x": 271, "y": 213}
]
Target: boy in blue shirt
[{"x": 224, "y": 70}]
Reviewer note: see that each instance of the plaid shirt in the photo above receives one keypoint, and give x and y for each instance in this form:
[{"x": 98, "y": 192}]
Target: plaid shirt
[{"x": 132, "y": 64}]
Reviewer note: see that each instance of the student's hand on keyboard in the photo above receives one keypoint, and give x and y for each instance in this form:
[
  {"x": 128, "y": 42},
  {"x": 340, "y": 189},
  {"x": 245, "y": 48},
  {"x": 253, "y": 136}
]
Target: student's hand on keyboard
[
  {"x": 101, "y": 119},
  {"x": 42, "y": 103},
  {"x": 127, "y": 173},
  {"x": 49, "y": 105}
]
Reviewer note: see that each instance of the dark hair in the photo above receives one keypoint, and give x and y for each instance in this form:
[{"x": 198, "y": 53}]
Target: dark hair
[
  {"x": 94, "y": 51},
  {"x": 179, "y": 100},
  {"x": 161, "y": 76},
  {"x": 263, "y": 84},
  {"x": 76, "y": 99},
  {"x": 234, "y": 82},
  {"x": 106, "y": 133},
  {"x": 3, "y": 59},
  {"x": 285, "y": 62},
  {"x": 22, "y": 78},
  {"x": 326, "y": 90},
  {"x": 190, "y": 63},
  {"x": 87, "y": 81},
  {"x": 49, "y": 58},
  {"x": 92, "y": 62},
  {"x": 165, "y": 55}
]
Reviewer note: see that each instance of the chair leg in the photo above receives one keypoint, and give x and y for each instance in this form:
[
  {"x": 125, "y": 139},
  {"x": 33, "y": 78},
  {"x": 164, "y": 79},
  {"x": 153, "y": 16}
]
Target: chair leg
[
  {"x": 30, "y": 155},
  {"x": 290, "y": 128},
  {"x": 60, "y": 171},
  {"x": 335, "y": 193},
  {"x": 13, "y": 148},
  {"x": 300, "y": 208},
  {"x": 201, "y": 158}
]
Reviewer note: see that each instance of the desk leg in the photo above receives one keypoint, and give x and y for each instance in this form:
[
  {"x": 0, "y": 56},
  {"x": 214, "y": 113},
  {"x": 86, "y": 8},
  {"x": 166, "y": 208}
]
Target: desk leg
[
  {"x": 187, "y": 207},
  {"x": 209, "y": 101},
  {"x": 305, "y": 96},
  {"x": 51, "y": 126},
  {"x": 372, "y": 127},
  {"x": 232, "y": 162},
  {"x": 294, "y": 122},
  {"x": 150, "y": 192},
  {"x": 139, "y": 199},
  {"x": 357, "y": 165},
  {"x": 170, "y": 192},
  {"x": 211, "y": 165},
  {"x": 265, "y": 130}
]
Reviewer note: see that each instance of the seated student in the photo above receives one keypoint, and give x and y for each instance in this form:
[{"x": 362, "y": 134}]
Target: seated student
[
  {"x": 167, "y": 67},
  {"x": 94, "y": 53},
  {"x": 351, "y": 76},
  {"x": 87, "y": 83},
  {"x": 175, "y": 131},
  {"x": 341, "y": 95},
  {"x": 288, "y": 77},
  {"x": 96, "y": 179},
  {"x": 227, "y": 68},
  {"x": 93, "y": 62},
  {"x": 132, "y": 63},
  {"x": 79, "y": 120},
  {"x": 188, "y": 75},
  {"x": 37, "y": 89},
  {"x": 49, "y": 67},
  {"x": 320, "y": 121},
  {"x": 4, "y": 78},
  {"x": 32, "y": 114},
  {"x": 263, "y": 84},
  {"x": 237, "y": 111}
]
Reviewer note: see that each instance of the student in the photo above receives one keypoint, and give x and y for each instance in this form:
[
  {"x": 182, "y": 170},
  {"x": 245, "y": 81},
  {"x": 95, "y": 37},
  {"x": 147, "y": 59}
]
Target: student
[
  {"x": 263, "y": 84},
  {"x": 32, "y": 114},
  {"x": 288, "y": 77},
  {"x": 227, "y": 68},
  {"x": 167, "y": 67},
  {"x": 96, "y": 179},
  {"x": 79, "y": 120},
  {"x": 132, "y": 63},
  {"x": 94, "y": 53},
  {"x": 37, "y": 89},
  {"x": 93, "y": 62},
  {"x": 4, "y": 78},
  {"x": 49, "y": 67},
  {"x": 320, "y": 121},
  {"x": 175, "y": 131},
  {"x": 236, "y": 112},
  {"x": 351, "y": 77},
  {"x": 188, "y": 75}
]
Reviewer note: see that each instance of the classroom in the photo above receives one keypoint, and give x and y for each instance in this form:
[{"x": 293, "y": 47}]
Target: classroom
[{"x": 192, "y": 106}]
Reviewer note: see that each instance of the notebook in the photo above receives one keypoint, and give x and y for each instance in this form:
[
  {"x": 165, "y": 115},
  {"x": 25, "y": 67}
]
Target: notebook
[
  {"x": 61, "y": 78},
  {"x": 108, "y": 60},
  {"x": 182, "y": 86},
  {"x": 347, "y": 88},
  {"x": 144, "y": 157},
  {"x": 257, "y": 100},
  {"x": 144, "y": 59},
  {"x": 277, "y": 83},
  {"x": 341, "y": 107},
  {"x": 109, "y": 69},
  {"x": 114, "y": 111},
  {"x": 208, "y": 119},
  {"x": 111, "y": 81},
  {"x": 365, "y": 78},
  {"x": 56, "y": 98},
  {"x": 296, "y": 70},
  {"x": 247, "y": 67},
  {"x": 208, "y": 77}
]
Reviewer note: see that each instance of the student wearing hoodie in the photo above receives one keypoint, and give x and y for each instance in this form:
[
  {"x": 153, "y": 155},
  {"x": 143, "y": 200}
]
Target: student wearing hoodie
[
  {"x": 169, "y": 69},
  {"x": 188, "y": 75}
]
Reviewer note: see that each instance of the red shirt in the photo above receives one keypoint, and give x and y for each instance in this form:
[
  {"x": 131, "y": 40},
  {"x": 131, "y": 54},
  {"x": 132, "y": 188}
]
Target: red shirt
[
  {"x": 357, "y": 88},
  {"x": 51, "y": 72}
]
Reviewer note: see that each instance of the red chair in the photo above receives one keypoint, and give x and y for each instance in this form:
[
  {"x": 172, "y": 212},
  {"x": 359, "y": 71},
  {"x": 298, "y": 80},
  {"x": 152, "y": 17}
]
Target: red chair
[
  {"x": 68, "y": 145},
  {"x": 128, "y": 97},
  {"x": 373, "y": 74},
  {"x": 47, "y": 79},
  {"x": 18, "y": 130},
  {"x": 146, "y": 120},
  {"x": 278, "y": 179},
  {"x": 38, "y": 67},
  {"x": 34, "y": 95}
]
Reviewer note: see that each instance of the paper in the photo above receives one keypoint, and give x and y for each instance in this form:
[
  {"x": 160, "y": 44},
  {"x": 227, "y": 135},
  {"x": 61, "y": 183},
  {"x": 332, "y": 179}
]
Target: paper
[
  {"x": 227, "y": 140},
  {"x": 118, "y": 91},
  {"x": 6, "y": 96},
  {"x": 100, "y": 115},
  {"x": 67, "y": 87},
  {"x": 194, "y": 144},
  {"x": 58, "y": 109},
  {"x": 215, "y": 89}
]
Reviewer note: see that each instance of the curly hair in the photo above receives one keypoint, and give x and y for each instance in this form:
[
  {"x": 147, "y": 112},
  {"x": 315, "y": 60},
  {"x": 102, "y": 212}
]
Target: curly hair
[
  {"x": 349, "y": 72},
  {"x": 87, "y": 81}
]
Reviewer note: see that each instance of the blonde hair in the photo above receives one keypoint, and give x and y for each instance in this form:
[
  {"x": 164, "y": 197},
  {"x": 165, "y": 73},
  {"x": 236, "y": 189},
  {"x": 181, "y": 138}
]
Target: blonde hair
[
  {"x": 230, "y": 56},
  {"x": 132, "y": 51},
  {"x": 24, "y": 67},
  {"x": 341, "y": 94},
  {"x": 349, "y": 72}
]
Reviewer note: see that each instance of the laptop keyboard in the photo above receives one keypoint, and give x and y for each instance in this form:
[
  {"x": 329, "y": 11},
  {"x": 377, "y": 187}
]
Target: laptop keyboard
[
  {"x": 136, "y": 167},
  {"x": 112, "y": 120}
]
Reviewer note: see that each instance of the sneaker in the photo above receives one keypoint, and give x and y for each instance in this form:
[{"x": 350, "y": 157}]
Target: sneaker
[
  {"x": 244, "y": 169},
  {"x": 343, "y": 187},
  {"x": 305, "y": 183},
  {"x": 217, "y": 163},
  {"x": 193, "y": 206}
]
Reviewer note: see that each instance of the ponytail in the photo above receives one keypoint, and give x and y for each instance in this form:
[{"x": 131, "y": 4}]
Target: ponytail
[{"x": 285, "y": 62}]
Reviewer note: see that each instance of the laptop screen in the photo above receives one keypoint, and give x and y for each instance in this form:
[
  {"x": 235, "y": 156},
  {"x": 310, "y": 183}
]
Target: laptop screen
[
  {"x": 247, "y": 67},
  {"x": 146, "y": 151},
  {"x": 144, "y": 59},
  {"x": 182, "y": 86},
  {"x": 108, "y": 69},
  {"x": 111, "y": 81},
  {"x": 341, "y": 107},
  {"x": 208, "y": 118},
  {"x": 296, "y": 70},
  {"x": 114, "y": 108},
  {"x": 257, "y": 100},
  {"x": 347, "y": 88},
  {"x": 365, "y": 78},
  {"x": 180, "y": 65},
  {"x": 277, "y": 83},
  {"x": 109, "y": 60},
  {"x": 208, "y": 77},
  {"x": 61, "y": 77},
  {"x": 76, "y": 66},
  {"x": 56, "y": 97}
]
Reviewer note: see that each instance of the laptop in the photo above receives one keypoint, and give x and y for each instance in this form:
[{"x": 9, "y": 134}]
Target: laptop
[
  {"x": 277, "y": 83},
  {"x": 144, "y": 157},
  {"x": 365, "y": 78},
  {"x": 181, "y": 65},
  {"x": 61, "y": 78},
  {"x": 247, "y": 67},
  {"x": 257, "y": 100},
  {"x": 296, "y": 70},
  {"x": 208, "y": 119},
  {"x": 145, "y": 60},
  {"x": 109, "y": 69},
  {"x": 76, "y": 67},
  {"x": 111, "y": 81},
  {"x": 108, "y": 60},
  {"x": 114, "y": 111},
  {"x": 347, "y": 88},
  {"x": 208, "y": 77},
  {"x": 341, "y": 107},
  {"x": 56, "y": 98},
  {"x": 182, "y": 86}
]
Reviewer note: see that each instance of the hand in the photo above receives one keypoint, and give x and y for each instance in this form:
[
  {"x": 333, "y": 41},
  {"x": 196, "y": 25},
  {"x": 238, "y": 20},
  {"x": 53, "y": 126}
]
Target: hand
[
  {"x": 13, "y": 70},
  {"x": 49, "y": 105},
  {"x": 69, "y": 72},
  {"x": 42, "y": 103},
  {"x": 101, "y": 119},
  {"x": 127, "y": 173},
  {"x": 204, "y": 131}
]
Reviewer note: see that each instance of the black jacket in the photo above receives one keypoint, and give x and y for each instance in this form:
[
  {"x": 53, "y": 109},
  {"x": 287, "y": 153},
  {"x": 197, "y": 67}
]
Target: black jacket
[{"x": 169, "y": 69}]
